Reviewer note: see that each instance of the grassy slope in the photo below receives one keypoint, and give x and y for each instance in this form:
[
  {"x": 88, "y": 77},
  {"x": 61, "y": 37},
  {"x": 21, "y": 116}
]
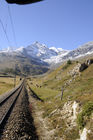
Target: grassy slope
[
  {"x": 7, "y": 84},
  {"x": 80, "y": 89}
]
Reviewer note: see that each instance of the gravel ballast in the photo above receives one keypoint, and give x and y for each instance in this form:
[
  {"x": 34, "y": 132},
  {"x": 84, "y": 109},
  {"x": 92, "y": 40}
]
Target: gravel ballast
[{"x": 20, "y": 125}]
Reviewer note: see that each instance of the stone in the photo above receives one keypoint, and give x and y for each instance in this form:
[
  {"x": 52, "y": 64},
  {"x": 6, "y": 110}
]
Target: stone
[
  {"x": 89, "y": 62},
  {"x": 83, "y": 67}
]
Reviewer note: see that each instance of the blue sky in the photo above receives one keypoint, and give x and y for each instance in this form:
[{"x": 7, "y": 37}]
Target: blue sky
[{"x": 60, "y": 23}]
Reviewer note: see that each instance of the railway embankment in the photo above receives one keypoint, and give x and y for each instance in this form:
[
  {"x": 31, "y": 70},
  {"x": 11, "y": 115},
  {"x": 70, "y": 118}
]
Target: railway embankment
[{"x": 20, "y": 124}]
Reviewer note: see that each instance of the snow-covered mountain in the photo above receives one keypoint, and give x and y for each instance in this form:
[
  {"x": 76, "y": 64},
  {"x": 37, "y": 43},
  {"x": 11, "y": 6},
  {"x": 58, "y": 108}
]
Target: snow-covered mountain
[
  {"x": 8, "y": 50},
  {"x": 81, "y": 51},
  {"x": 39, "y": 51},
  {"x": 52, "y": 55},
  {"x": 42, "y": 52}
]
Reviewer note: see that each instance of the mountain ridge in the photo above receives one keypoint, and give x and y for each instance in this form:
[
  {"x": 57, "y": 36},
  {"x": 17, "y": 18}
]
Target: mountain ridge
[
  {"x": 41, "y": 57},
  {"x": 51, "y": 55}
]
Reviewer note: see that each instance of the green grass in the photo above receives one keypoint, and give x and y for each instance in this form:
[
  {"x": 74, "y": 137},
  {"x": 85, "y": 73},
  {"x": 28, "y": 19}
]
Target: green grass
[
  {"x": 45, "y": 93},
  {"x": 84, "y": 116},
  {"x": 80, "y": 89}
]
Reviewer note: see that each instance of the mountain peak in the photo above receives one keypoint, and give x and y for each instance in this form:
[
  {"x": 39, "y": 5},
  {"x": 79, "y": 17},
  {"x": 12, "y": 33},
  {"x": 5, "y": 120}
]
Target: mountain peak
[
  {"x": 87, "y": 45},
  {"x": 39, "y": 45},
  {"x": 39, "y": 50},
  {"x": 8, "y": 50}
]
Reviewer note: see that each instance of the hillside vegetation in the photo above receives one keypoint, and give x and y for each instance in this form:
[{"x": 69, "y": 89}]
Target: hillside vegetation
[
  {"x": 6, "y": 84},
  {"x": 77, "y": 89}
]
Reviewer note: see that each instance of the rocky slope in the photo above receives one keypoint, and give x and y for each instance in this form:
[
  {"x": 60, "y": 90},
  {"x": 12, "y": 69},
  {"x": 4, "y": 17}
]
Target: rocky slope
[{"x": 70, "y": 115}]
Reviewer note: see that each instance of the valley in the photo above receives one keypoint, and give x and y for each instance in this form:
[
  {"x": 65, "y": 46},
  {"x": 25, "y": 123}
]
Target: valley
[
  {"x": 58, "y": 96},
  {"x": 46, "y": 70}
]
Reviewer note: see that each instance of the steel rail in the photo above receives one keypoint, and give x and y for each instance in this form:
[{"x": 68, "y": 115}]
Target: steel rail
[
  {"x": 7, "y": 113},
  {"x": 10, "y": 94}
]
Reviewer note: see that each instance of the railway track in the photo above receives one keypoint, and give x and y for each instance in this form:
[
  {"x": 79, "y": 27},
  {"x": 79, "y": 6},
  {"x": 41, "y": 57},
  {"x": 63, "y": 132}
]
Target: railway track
[{"x": 7, "y": 103}]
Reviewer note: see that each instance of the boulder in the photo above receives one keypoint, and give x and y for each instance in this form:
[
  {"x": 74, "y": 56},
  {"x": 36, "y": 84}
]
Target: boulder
[
  {"x": 83, "y": 67},
  {"x": 89, "y": 62}
]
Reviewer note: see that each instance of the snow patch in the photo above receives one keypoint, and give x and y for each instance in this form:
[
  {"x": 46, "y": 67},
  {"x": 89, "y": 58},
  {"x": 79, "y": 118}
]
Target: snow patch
[
  {"x": 19, "y": 49},
  {"x": 56, "y": 59},
  {"x": 56, "y": 49},
  {"x": 8, "y": 50}
]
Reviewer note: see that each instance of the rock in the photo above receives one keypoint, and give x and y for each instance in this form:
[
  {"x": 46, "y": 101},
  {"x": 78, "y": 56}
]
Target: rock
[
  {"x": 83, "y": 134},
  {"x": 75, "y": 106},
  {"x": 75, "y": 71},
  {"x": 83, "y": 67},
  {"x": 69, "y": 113},
  {"x": 89, "y": 62}
]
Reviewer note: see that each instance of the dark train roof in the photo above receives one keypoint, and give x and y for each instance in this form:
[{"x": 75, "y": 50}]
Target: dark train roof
[{"x": 22, "y": 1}]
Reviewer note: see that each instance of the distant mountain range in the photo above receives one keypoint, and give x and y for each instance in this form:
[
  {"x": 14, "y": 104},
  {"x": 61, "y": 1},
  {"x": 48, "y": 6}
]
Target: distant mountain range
[
  {"x": 39, "y": 55},
  {"x": 36, "y": 51},
  {"x": 82, "y": 51}
]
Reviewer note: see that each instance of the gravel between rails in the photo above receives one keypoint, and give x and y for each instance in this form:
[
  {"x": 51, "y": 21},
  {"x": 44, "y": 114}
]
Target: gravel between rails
[
  {"x": 4, "y": 107},
  {"x": 20, "y": 125}
]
